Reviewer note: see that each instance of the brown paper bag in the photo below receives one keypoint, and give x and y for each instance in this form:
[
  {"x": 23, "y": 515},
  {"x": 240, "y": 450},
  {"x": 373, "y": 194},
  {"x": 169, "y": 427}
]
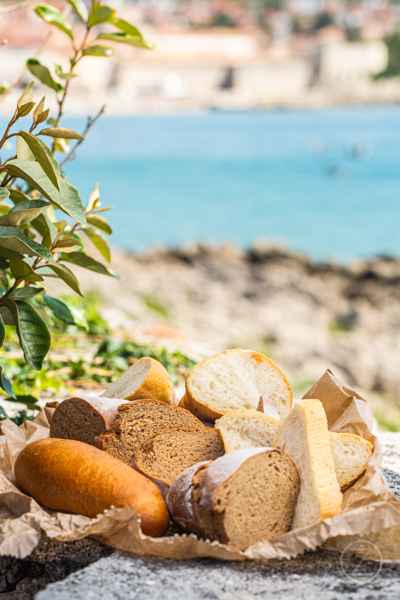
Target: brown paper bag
[{"x": 368, "y": 505}]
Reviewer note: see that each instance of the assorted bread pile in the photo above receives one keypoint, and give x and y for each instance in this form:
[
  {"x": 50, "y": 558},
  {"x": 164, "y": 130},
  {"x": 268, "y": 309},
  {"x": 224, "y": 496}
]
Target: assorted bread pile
[{"x": 235, "y": 461}]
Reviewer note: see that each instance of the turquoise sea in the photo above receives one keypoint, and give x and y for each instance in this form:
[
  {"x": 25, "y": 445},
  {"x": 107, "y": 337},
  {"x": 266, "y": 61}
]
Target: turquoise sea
[{"x": 326, "y": 182}]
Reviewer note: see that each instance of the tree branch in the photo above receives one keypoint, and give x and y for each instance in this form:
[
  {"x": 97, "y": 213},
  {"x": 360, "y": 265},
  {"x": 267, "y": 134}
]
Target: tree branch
[{"x": 90, "y": 124}]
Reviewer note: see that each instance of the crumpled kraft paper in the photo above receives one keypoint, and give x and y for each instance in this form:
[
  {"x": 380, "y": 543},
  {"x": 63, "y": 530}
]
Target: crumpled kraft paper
[{"x": 368, "y": 505}]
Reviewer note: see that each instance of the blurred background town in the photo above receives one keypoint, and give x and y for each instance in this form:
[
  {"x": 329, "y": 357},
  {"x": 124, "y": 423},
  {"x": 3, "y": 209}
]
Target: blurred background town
[
  {"x": 241, "y": 54},
  {"x": 253, "y": 159}
]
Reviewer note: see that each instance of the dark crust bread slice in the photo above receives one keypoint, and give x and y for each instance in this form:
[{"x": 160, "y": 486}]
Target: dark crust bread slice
[
  {"x": 137, "y": 422},
  {"x": 175, "y": 449}
]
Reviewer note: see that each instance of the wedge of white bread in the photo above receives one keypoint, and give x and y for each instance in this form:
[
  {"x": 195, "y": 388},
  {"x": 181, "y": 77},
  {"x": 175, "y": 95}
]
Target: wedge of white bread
[
  {"x": 146, "y": 378},
  {"x": 240, "y": 499},
  {"x": 235, "y": 380},
  {"x": 253, "y": 429},
  {"x": 304, "y": 435}
]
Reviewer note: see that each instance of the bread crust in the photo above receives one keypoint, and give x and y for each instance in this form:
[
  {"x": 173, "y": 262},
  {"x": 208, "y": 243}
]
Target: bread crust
[
  {"x": 157, "y": 385},
  {"x": 205, "y": 412},
  {"x": 70, "y": 476}
]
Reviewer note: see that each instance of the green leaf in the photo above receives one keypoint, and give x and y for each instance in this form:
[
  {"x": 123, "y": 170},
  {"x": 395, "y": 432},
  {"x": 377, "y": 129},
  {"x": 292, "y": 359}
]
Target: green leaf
[
  {"x": 23, "y": 150},
  {"x": 85, "y": 261},
  {"x": 68, "y": 200},
  {"x": 3, "y": 414},
  {"x": 80, "y": 8},
  {"x": 63, "y": 273},
  {"x": 124, "y": 38},
  {"x": 4, "y": 194},
  {"x": 101, "y": 14},
  {"x": 45, "y": 227},
  {"x": 34, "y": 335},
  {"x": 93, "y": 199},
  {"x": 7, "y": 254},
  {"x": 2, "y": 331},
  {"x": 63, "y": 311},
  {"x": 98, "y": 50},
  {"x": 68, "y": 245},
  {"x": 26, "y": 292},
  {"x": 61, "y": 132},
  {"x": 23, "y": 213},
  {"x": 44, "y": 157},
  {"x": 39, "y": 110},
  {"x": 63, "y": 75},
  {"x": 99, "y": 241},
  {"x": 12, "y": 239},
  {"x": 99, "y": 222},
  {"x": 27, "y": 95},
  {"x": 53, "y": 16},
  {"x": 126, "y": 27},
  {"x": 6, "y": 315},
  {"x": 5, "y": 384},
  {"x": 25, "y": 109},
  {"x": 43, "y": 74},
  {"x": 17, "y": 196},
  {"x": 21, "y": 270}
]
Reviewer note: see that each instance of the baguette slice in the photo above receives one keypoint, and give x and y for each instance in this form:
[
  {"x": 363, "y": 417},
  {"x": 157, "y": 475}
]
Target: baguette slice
[
  {"x": 246, "y": 429},
  {"x": 249, "y": 496},
  {"x": 84, "y": 419},
  {"x": 183, "y": 498},
  {"x": 351, "y": 454},
  {"x": 146, "y": 378},
  {"x": 70, "y": 476},
  {"x": 137, "y": 422},
  {"x": 235, "y": 380},
  {"x": 175, "y": 449},
  {"x": 303, "y": 434}
]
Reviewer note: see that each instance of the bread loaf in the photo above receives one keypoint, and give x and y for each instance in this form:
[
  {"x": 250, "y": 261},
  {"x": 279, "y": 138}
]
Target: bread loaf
[
  {"x": 235, "y": 380},
  {"x": 183, "y": 498},
  {"x": 146, "y": 378},
  {"x": 246, "y": 429},
  {"x": 137, "y": 422},
  {"x": 245, "y": 497},
  {"x": 303, "y": 434},
  {"x": 175, "y": 449},
  {"x": 83, "y": 419},
  {"x": 71, "y": 476},
  {"x": 268, "y": 407}
]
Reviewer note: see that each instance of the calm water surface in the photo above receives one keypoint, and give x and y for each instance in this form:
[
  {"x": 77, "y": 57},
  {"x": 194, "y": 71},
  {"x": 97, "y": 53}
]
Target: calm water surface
[{"x": 326, "y": 182}]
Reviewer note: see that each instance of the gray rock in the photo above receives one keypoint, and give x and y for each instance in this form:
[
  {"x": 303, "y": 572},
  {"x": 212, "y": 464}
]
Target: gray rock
[{"x": 323, "y": 573}]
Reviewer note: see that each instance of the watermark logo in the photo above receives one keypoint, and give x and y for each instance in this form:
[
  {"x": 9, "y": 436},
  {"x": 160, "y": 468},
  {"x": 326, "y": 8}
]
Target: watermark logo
[{"x": 355, "y": 568}]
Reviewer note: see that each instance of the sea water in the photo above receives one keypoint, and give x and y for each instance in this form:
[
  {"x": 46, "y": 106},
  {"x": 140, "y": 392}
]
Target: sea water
[{"x": 322, "y": 182}]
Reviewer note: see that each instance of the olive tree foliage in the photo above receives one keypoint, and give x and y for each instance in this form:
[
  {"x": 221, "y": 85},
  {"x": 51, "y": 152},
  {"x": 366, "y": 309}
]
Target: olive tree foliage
[{"x": 35, "y": 243}]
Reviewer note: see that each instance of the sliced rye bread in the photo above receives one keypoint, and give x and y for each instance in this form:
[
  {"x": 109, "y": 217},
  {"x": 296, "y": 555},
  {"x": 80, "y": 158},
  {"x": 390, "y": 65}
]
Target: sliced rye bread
[
  {"x": 248, "y": 496},
  {"x": 304, "y": 435},
  {"x": 137, "y": 422},
  {"x": 351, "y": 454},
  {"x": 175, "y": 449},
  {"x": 84, "y": 419},
  {"x": 183, "y": 497},
  {"x": 146, "y": 378},
  {"x": 246, "y": 429},
  {"x": 235, "y": 380}
]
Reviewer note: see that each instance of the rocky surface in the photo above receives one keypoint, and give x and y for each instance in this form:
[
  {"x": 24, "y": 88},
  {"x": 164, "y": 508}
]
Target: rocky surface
[{"x": 306, "y": 316}]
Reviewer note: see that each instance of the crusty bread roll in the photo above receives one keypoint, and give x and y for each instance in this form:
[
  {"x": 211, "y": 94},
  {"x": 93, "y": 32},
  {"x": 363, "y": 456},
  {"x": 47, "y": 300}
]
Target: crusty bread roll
[
  {"x": 74, "y": 477},
  {"x": 303, "y": 434},
  {"x": 146, "y": 378},
  {"x": 240, "y": 499},
  {"x": 83, "y": 419},
  {"x": 183, "y": 497},
  {"x": 137, "y": 422},
  {"x": 235, "y": 380},
  {"x": 351, "y": 454},
  {"x": 246, "y": 429},
  {"x": 175, "y": 449}
]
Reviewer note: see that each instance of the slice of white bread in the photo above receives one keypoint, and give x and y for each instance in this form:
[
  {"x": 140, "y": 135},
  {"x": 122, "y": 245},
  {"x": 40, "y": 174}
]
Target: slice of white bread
[
  {"x": 351, "y": 454},
  {"x": 246, "y": 429},
  {"x": 146, "y": 378},
  {"x": 304, "y": 435},
  {"x": 235, "y": 380}
]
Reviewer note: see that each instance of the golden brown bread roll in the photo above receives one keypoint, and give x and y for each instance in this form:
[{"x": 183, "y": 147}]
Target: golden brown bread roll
[{"x": 71, "y": 476}]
